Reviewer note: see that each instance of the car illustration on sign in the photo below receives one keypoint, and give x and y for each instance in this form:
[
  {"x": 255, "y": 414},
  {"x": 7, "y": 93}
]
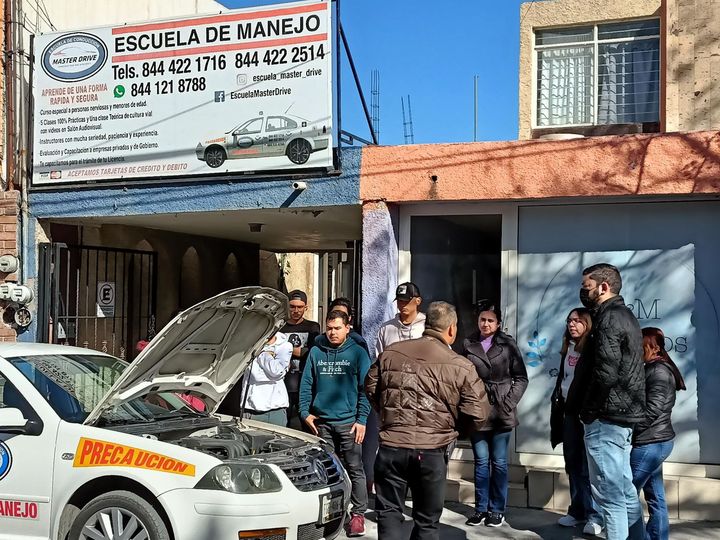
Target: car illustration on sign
[
  {"x": 266, "y": 136},
  {"x": 92, "y": 447}
]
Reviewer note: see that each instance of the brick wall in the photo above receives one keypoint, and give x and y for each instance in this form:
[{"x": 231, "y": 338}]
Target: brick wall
[{"x": 8, "y": 241}]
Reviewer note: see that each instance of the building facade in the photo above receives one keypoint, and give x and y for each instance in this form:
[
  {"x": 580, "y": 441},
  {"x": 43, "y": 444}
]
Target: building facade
[
  {"x": 618, "y": 172},
  {"x": 110, "y": 265}
]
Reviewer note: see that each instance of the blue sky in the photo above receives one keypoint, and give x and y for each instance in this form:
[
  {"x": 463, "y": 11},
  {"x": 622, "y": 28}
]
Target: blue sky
[{"x": 432, "y": 50}]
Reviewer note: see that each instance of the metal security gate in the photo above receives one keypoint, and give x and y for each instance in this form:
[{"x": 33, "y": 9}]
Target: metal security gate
[{"x": 96, "y": 297}]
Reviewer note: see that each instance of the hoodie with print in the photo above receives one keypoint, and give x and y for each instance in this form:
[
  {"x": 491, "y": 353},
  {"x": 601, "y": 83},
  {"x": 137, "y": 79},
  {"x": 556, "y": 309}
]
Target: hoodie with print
[
  {"x": 394, "y": 330},
  {"x": 332, "y": 382}
]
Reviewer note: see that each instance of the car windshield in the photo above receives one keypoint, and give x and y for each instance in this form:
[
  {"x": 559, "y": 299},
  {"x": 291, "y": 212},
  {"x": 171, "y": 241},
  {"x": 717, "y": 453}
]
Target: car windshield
[{"x": 74, "y": 384}]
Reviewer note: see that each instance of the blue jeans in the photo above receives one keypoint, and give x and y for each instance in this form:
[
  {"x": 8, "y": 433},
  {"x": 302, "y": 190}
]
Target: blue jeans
[
  {"x": 491, "y": 487},
  {"x": 582, "y": 506},
  {"x": 608, "y": 448},
  {"x": 646, "y": 462}
]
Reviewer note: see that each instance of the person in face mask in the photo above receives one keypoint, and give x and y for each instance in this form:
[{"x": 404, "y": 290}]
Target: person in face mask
[{"x": 614, "y": 400}]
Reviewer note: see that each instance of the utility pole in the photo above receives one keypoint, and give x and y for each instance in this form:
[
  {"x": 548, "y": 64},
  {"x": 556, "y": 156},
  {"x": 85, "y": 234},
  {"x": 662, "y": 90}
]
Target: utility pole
[
  {"x": 375, "y": 102},
  {"x": 407, "y": 122},
  {"x": 475, "y": 107}
]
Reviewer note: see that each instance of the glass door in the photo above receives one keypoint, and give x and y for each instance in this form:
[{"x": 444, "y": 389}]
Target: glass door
[{"x": 457, "y": 258}]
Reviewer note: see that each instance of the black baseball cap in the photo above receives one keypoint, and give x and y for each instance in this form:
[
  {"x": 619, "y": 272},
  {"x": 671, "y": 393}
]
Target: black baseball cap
[
  {"x": 407, "y": 291},
  {"x": 298, "y": 295}
]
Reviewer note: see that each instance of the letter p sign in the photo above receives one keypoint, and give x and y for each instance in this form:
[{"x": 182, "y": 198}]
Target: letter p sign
[{"x": 106, "y": 299}]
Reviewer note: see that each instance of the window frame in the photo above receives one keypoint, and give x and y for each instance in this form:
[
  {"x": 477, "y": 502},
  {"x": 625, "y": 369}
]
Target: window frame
[{"x": 595, "y": 42}]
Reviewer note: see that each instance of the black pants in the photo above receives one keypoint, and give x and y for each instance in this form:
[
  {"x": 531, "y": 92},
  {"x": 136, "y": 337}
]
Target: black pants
[
  {"x": 424, "y": 472},
  {"x": 350, "y": 453}
]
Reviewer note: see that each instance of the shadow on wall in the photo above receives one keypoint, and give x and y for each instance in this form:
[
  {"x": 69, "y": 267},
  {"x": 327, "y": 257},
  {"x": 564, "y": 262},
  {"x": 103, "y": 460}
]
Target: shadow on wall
[
  {"x": 669, "y": 264},
  {"x": 617, "y": 165},
  {"x": 646, "y": 280},
  {"x": 379, "y": 269}
]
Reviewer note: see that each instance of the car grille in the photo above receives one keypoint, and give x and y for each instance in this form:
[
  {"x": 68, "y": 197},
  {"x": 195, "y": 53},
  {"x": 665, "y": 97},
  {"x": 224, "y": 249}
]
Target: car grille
[
  {"x": 315, "y": 531},
  {"x": 303, "y": 472}
]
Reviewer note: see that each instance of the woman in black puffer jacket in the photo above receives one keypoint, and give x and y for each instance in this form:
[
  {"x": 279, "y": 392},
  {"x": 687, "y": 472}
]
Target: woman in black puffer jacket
[
  {"x": 653, "y": 437},
  {"x": 499, "y": 364}
]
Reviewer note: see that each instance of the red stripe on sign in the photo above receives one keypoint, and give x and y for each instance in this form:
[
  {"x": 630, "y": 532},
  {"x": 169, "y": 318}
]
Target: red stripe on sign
[
  {"x": 218, "y": 18},
  {"x": 219, "y": 48}
]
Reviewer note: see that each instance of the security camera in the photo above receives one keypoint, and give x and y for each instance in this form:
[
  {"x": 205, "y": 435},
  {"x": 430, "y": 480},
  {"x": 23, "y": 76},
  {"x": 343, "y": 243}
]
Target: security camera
[{"x": 299, "y": 186}]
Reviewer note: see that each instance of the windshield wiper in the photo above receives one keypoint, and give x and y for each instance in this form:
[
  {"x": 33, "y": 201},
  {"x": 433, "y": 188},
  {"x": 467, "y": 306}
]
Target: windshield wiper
[
  {"x": 180, "y": 414},
  {"x": 122, "y": 422}
]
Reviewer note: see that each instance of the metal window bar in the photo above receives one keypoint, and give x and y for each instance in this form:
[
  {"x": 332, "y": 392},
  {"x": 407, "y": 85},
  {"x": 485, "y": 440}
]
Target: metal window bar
[
  {"x": 544, "y": 117},
  {"x": 77, "y": 272}
]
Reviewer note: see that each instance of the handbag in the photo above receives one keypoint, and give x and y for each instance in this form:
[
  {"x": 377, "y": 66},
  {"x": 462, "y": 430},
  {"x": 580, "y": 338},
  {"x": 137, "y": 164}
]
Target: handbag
[{"x": 557, "y": 408}]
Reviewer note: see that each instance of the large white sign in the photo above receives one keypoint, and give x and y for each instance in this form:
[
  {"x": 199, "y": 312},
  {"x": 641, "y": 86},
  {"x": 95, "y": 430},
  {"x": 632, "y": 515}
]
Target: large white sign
[
  {"x": 244, "y": 91},
  {"x": 659, "y": 287}
]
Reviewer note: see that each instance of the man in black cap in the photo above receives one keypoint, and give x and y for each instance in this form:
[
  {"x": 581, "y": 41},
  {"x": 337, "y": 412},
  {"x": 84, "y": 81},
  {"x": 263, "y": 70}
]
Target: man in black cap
[
  {"x": 301, "y": 333},
  {"x": 409, "y": 323}
]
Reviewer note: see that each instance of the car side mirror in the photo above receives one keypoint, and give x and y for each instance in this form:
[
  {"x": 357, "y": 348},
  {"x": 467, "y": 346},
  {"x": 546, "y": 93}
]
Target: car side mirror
[{"x": 12, "y": 421}]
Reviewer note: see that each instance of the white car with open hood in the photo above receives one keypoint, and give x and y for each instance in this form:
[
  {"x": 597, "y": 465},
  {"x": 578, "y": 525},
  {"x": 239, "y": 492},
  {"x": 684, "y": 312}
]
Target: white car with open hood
[{"x": 94, "y": 448}]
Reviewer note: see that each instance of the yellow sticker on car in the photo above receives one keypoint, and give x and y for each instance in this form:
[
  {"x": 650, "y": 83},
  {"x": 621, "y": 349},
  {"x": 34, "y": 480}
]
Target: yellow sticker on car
[{"x": 93, "y": 453}]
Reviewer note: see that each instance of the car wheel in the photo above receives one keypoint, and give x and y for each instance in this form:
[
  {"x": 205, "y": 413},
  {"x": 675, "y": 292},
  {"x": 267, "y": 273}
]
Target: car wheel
[
  {"x": 118, "y": 514},
  {"x": 298, "y": 151},
  {"x": 215, "y": 157}
]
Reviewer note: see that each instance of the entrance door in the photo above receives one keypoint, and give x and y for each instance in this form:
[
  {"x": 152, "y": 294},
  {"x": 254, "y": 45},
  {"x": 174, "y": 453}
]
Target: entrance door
[
  {"x": 96, "y": 297},
  {"x": 457, "y": 258}
]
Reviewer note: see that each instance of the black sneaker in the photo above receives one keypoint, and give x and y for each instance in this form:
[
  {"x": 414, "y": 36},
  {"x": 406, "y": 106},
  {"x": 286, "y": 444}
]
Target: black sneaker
[
  {"x": 477, "y": 519},
  {"x": 495, "y": 519}
]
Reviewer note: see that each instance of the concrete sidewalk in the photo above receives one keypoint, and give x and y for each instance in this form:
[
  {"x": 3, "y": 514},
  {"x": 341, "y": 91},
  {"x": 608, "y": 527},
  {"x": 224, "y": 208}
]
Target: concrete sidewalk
[{"x": 523, "y": 523}]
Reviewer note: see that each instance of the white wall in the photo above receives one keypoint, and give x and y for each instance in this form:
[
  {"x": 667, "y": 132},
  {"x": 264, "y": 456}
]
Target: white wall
[{"x": 78, "y": 14}]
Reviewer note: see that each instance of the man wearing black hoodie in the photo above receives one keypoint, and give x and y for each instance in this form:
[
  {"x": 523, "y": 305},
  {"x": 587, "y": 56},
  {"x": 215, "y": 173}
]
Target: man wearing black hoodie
[{"x": 614, "y": 400}]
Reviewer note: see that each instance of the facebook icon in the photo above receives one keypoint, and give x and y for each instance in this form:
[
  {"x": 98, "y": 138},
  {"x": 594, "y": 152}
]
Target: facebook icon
[{"x": 219, "y": 96}]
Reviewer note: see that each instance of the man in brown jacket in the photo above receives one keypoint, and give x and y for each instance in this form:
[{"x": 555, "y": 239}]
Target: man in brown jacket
[{"x": 420, "y": 389}]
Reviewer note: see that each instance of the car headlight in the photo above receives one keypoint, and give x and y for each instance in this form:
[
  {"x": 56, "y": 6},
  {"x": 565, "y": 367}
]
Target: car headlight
[{"x": 241, "y": 478}]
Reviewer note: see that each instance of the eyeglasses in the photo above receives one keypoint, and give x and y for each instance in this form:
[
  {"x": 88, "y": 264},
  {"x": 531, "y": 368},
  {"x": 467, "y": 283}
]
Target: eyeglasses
[{"x": 574, "y": 321}]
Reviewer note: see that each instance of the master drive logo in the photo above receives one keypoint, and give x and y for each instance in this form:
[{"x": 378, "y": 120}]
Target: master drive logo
[
  {"x": 74, "y": 57},
  {"x": 5, "y": 460}
]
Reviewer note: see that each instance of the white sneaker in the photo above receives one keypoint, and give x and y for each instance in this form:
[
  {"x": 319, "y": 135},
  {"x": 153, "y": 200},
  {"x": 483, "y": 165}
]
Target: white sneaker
[
  {"x": 592, "y": 528},
  {"x": 568, "y": 521}
]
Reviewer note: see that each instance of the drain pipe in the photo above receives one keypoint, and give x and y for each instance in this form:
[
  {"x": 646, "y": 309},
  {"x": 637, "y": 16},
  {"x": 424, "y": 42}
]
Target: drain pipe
[{"x": 9, "y": 95}]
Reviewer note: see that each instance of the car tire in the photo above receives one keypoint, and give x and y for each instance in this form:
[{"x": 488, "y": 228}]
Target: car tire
[
  {"x": 298, "y": 151},
  {"x": 118, "y": 509},
  {"x": 215, "y": 157}
]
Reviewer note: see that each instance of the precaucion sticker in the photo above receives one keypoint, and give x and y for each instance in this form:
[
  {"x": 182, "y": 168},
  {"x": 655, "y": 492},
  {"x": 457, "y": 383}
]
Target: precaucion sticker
[{"x": 93, "y": 453}]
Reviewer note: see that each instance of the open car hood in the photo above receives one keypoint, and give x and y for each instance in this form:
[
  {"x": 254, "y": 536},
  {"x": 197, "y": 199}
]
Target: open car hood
[{"x": 205, "y": 349}]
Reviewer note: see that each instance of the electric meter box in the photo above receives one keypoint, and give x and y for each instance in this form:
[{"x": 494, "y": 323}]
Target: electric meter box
[
  {"x": 8, "y": 264},
  {"x": 21, "y": 294},
  {"x": 6, "y": 290}
]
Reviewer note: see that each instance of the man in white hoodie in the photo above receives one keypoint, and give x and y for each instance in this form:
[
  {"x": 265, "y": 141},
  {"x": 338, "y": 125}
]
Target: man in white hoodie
[
  {"x": 265, "y": 395},
  {"x": 409, "y": 323}
]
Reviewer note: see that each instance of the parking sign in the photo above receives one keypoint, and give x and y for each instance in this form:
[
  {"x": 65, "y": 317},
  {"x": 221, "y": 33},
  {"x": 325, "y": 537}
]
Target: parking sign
[{"x": 106, "y": 299}]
